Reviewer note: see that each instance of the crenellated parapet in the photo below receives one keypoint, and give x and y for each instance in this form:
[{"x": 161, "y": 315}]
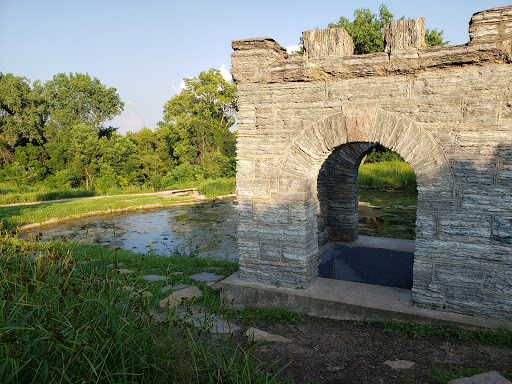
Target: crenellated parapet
[
  {"x": 492, "y": 29},
  {"x": 329, "y": 52}
]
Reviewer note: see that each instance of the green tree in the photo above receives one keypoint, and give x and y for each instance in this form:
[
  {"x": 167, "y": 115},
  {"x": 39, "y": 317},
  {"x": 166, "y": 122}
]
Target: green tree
[
  {"x": 434, "y": 37},
  {"x": 79, "y": 99},
  {"x": 198, "y": 122},
  {"x": 23, "y": 114},
  {"x": 366, "y": 29}
]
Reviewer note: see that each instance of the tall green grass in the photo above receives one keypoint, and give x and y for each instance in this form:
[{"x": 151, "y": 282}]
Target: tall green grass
[
  {"x": 10, "y": 197},
  {"x": 217, "y": 187},
  {"x": 62, "y": 321},
  {"x": 17, "y": 216},
  {"x": 387, "y": 175}
]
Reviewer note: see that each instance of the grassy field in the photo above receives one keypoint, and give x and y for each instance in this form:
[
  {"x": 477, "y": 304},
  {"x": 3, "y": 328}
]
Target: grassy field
[
  {"x": 7, "y": 196},
  {"x": 210, "y": 188},
  {"x": 20, "y": 215},
  {"x": 67, "y": 317},
  {"x": 218, "y": 187},
  {"x": 393, "y": 175}
]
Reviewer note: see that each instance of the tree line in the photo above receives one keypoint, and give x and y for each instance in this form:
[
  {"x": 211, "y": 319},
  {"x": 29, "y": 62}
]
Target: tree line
[{"x": 55, "y": 134}]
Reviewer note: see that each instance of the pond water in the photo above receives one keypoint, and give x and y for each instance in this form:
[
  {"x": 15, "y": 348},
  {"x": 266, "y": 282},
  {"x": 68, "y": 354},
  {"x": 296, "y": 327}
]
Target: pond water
[{"x": 208, "y": 228}]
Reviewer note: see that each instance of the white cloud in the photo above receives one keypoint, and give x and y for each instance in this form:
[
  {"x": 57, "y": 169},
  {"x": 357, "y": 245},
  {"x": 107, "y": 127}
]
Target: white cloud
[
  {"x": 292, "y": 48},
  {"x": 178, "y": 89},
  {"x": 129, "y": 121},
  {"x": 129, "y": 102},
  {"x": 225, "y": 73}
]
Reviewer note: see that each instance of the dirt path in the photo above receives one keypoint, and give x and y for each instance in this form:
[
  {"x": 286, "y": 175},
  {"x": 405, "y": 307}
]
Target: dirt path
[{"x": 330, "y": 351}]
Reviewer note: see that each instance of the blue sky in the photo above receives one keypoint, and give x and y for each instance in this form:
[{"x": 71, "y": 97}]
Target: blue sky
[{"x": 145, "y": 48}]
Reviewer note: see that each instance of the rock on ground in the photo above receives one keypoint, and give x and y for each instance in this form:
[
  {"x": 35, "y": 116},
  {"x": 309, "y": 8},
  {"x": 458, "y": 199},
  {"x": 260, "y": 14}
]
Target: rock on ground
[
  {"x": 206, "y": 276},
  {"x": 399, "y": 364},
  {"x": 177, "y": 297},
  {"x": 260, "y": 335},
  {"x": 154, "y": 277},
  {"x": 491, "y": 377}
]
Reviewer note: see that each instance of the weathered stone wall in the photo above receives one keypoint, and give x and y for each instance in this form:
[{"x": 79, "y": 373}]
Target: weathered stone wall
[{"x": 305, "y": 122}]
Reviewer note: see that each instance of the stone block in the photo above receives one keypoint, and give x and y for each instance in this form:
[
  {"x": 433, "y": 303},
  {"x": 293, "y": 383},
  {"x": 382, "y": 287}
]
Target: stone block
[
  {"x": 502, "y": 230},
  {"x": 492, "y": 25},
  {"x": 466, "y": 227},
  {"x": 267, "y": 168},
  {"x": 244, "y": 208},
  {"x": 245, "y": 168},
  {"x": 271, "y": 213},
  {"x": 426, "y": 224},
  {"x": 475, "y": 171},
  {"x": 252, "y": 188},
  {"x": 498, "y": 281},
  {"x": 404, "y": 35},
  {"x": 303, "y": 254},
  {"x": 422, "y": 271},
  {"x": 505, "y": 173},
  {"x": 248, "y": 249},
  {"x": 327, "y": 42},
  {"x": 481, "y": 108},
  {"x": 332, "y": 131},
  {"x": 270, "y": 252},
  {"x": 279, "y": 275},
  {"x": 284, "y": 233},
  {"x": 494, "y": 199},
  {"x": 302, "y": 212},
  {"x": 455, "y": 275},
  {"x": 491, "y": 377},
  {"x": 482, "y": 254}
]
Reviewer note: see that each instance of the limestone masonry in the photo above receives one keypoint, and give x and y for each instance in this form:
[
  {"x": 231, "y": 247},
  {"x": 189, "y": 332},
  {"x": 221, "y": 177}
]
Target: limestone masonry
[{"x": 306, "y": 121}]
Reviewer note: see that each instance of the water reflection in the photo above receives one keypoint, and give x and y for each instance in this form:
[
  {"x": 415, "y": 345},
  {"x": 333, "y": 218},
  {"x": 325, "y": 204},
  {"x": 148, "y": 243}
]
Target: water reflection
[{"x": 208, "y": 228}]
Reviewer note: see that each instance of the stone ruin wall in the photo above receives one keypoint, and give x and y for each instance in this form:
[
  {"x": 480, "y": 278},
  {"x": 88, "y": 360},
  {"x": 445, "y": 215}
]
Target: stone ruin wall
[{"x": 305, "y": 122}]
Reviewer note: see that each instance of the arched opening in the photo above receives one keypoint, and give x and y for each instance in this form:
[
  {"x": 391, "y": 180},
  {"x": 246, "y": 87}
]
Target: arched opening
[
  {"x": 366, "y": 233},
  {"x": 387, "y": 196},
  {"x": 294, "y": 194}
]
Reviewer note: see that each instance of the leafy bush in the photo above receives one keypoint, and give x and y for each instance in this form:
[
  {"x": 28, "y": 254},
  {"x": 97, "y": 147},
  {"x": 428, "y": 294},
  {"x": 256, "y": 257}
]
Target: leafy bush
[
  {"x": 218, "y": 187},
  {"x": 381, "y": 153}
]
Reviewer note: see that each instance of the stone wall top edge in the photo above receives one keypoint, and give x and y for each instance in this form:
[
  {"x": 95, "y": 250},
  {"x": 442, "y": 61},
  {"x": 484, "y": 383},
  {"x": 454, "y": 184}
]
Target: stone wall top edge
[
  {"x": 256, "y": 43},
  {"x": 504, "y": 9},
  {"x": 282, "y": 69}
]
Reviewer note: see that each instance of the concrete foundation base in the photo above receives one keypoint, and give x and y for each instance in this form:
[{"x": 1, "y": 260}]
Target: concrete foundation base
[{"x": 343, "y": 300}]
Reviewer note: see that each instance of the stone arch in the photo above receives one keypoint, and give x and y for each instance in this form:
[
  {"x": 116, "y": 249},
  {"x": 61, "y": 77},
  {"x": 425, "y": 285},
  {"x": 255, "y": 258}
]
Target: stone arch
[
  {"x": 367, "y": 123},
  {"x": 362, "y": 125}
]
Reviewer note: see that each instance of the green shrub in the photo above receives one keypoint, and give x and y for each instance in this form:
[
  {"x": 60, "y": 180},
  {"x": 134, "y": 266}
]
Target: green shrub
[
  {"x": 381, "y": 153},
  {"x": 217, "y": 187}
]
